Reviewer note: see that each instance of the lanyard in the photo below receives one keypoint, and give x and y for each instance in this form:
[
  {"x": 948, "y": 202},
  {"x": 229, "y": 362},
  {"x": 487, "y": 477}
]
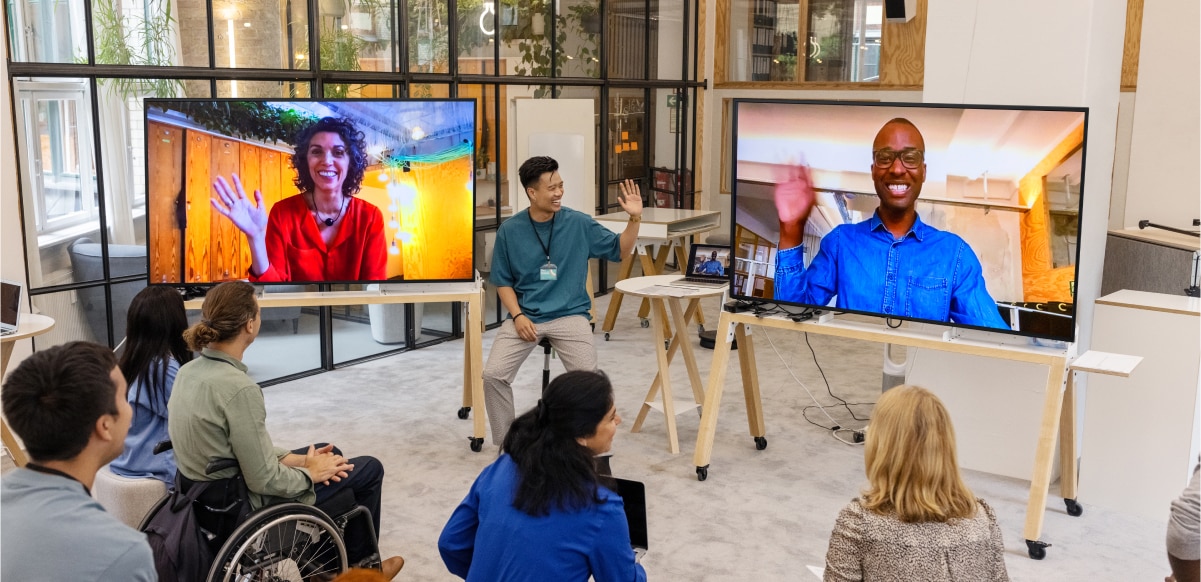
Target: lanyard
[
  {"x": 49, "y": 471},
  {"x": 549, "y": 238}
]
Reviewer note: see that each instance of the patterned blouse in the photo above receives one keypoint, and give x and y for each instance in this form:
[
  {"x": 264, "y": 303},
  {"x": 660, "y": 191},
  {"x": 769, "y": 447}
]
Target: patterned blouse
[{"x": 868, "y": 546}]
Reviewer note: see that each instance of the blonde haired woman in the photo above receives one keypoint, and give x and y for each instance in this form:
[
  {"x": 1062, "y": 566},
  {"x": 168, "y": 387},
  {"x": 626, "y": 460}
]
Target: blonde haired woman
[{"x": 916, "y": 520}]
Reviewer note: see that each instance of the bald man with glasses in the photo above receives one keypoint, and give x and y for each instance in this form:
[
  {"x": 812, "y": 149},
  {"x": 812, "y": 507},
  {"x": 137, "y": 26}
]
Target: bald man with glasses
[{"x": 892, "y": 263}]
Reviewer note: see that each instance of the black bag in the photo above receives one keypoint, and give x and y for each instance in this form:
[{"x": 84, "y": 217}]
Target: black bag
[{"x": 180, "y": 547}]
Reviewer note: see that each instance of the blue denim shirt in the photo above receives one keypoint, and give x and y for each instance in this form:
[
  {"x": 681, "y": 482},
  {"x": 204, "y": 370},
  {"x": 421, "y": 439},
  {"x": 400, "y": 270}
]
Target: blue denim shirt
[
  {"x": 926, "y": 274},
  {"x": 710, "y": 267}
]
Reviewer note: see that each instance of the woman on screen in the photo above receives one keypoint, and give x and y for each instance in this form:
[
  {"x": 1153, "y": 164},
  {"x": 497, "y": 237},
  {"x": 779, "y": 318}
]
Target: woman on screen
[
  {"x": 541, "y": 511},
  {"x": 916, "y": 520},
  {"x": 324, "y": 233}
]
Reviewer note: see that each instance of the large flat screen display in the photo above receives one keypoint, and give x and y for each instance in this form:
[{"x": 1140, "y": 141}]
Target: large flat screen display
[
  {"x": 957, "y": 214},
  {"x": 310, "y": 191}
]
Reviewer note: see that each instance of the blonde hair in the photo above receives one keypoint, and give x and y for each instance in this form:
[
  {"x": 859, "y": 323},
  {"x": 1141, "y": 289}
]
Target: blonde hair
[
  {"x": 227, "y": 307},
  {"x": 912, "y": 470}
]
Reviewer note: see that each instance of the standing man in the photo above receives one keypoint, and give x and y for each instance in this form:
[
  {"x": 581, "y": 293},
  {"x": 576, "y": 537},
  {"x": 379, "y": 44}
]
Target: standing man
[
  {"x": 539, "y": 267},
  {"x": 68, "y": 405},
  {"x": 892, "y": 263}
]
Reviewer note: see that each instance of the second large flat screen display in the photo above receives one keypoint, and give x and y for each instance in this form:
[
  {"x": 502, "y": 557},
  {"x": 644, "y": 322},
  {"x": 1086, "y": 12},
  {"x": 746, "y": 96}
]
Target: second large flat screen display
[
  {"x": 310, "y": 191},
  {"x": 962, "y": 215}
]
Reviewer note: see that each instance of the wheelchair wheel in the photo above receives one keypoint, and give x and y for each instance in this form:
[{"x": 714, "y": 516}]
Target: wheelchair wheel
[{"x": 290, "y": 542}]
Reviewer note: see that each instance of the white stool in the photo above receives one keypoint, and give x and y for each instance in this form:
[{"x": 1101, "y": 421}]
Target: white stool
[{"x": 128, "y": 499}]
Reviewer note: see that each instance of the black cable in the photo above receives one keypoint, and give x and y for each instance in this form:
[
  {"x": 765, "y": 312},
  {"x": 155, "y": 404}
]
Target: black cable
[
  {"x": 844, "y": 403},
  {"x": 888, "y": 322}
]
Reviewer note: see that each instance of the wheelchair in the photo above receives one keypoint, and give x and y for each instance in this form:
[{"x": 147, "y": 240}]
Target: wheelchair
[{"x": 286, "y": 542}]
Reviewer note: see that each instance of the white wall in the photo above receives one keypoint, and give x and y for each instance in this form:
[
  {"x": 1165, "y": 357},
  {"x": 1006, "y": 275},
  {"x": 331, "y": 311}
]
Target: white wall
[
  {"x": 1071, "y": 55},
  {"x": 1164, "y": 148}
]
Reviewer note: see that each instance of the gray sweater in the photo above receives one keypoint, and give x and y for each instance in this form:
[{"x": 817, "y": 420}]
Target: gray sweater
[{"x": 1184, "y": 522}]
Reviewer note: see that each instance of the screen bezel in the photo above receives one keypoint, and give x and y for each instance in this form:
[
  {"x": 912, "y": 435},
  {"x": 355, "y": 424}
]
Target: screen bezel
[
  {"x": 153, "y": 102},
  {"x": 738, "y": 296}
]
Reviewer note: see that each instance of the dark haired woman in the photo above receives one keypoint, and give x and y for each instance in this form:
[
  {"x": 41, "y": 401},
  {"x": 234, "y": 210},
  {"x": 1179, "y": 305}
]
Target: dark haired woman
[
  {"x": 541, "y": 511},
  {"x": 154, "y": 351},
  {"x": 325, "y": 233},
  {"x": 218, "y": 412}
]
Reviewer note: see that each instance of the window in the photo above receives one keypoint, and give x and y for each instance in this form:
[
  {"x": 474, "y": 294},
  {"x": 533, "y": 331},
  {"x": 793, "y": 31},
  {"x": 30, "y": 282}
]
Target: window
[{"x": 816, "y": 41}]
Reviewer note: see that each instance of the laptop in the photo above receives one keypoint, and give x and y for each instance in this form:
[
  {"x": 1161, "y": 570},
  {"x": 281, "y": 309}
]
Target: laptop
[
  {"x": 10, "y": 307},
  {"x": 708, "y": 267},
  {"x": 633, "y": 496}
]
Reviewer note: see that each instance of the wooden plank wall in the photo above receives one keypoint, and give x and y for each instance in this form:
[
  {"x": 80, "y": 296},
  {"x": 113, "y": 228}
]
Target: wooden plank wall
[
  {"x": 164, "y": 181},
  {"x": 213, "y": 249}
]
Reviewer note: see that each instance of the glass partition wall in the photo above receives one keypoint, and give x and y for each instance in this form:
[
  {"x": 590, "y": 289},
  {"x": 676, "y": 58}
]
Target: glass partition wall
[{"x": 79, "y": 71}]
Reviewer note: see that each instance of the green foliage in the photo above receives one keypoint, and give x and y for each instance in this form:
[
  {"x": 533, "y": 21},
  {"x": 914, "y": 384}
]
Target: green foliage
[
  {"x": 116, "y": 43},
  {"x": 246, "y": 119},
  {"x": 340, "y": 52},
  {"x": 537, "y": 59}
]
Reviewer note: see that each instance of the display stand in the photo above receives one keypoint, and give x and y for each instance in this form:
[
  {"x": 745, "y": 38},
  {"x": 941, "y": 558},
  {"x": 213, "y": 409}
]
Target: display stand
[
  {"x": 31, "y": 325},
  {"x": 1059, "y": 404},
  {"x": 471, "y": 295},
  {"x": 668, "y": 229},
  {"x": 655, "y": 289}
]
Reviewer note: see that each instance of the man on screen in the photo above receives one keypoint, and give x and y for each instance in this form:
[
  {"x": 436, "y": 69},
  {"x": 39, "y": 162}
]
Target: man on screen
[
  {"x": 892, "y": 263},
  {"x": 710, "y": 266}
]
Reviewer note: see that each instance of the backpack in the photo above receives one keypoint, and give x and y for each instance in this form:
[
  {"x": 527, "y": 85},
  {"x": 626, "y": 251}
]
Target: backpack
[{"x": 180, "y": 547}]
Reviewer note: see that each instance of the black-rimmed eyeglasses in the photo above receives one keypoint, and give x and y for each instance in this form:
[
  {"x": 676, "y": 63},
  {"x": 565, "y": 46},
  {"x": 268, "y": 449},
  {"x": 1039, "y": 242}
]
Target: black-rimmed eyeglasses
[{"x": 910, "y": 157}]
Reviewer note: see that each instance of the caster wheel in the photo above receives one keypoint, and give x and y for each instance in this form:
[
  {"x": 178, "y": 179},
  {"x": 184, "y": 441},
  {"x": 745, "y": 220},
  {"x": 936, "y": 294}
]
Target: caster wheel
[
  {"x": 666, "y": 344},
  {"x": 606, "y": 336},
  {"x": 1074, "y": 509},
  {"x": 477, "y": 444},
  {"x": 1037, "y": 549},
  {"x": 645, "y": 323},
  {"x": 463, "y": 412},
  {"x": 592, "y": 324},
  {"x": 700, "y": 329},
  {"x": 702, "y": 473},
  {"x": 761, "y": 443}
]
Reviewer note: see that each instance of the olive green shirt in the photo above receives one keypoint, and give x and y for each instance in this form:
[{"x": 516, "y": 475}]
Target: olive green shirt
[{"x": 215, "y": 412}]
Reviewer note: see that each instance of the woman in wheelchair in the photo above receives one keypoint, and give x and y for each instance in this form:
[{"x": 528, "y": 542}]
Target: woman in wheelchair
[{"x": 216, "y": 411}]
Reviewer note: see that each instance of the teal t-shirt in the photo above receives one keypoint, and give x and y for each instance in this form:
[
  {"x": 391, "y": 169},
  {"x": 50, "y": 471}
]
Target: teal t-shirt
[{"x": 572, "y": 238}]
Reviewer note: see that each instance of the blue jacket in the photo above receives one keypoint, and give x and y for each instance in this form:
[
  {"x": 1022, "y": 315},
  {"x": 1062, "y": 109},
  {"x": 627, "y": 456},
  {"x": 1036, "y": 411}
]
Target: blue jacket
[{"x": 489, "y": 539}]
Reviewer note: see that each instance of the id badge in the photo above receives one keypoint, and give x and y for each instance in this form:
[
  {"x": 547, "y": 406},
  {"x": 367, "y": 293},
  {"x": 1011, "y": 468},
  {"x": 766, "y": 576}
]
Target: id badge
[{"x": 549, "y": 272}]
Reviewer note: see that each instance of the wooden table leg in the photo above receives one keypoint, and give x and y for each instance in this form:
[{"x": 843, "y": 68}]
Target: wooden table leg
[
  {"x": 680, "y": 317},
  {"x": 648, "y": 265},
  {"x": 627, "y": 266},
  {"x": 673, "y": 346},
  {"x": 10, "y": 440},
  {"x": 475, "y": 364},
  {"x": 750, "y": 386},
  {"x": 1040, "y": 479},
  {"x": 1068, "y": 447},
  {"x": 652, "y": 264},
  {"x": 717, "y": 377},
  {"x": 669, "y": 409}
]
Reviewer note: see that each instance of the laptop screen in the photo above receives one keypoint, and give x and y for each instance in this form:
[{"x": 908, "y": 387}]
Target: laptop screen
[
  {"x": 633, "y": 496},
  {"x": 709, "y": 261},
  {"x": 10, "y": 304}
]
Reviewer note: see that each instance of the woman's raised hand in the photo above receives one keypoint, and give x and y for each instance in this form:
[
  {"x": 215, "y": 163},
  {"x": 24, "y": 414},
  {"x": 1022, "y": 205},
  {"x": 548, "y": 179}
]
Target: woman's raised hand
[{"x": 232, "y": 203}]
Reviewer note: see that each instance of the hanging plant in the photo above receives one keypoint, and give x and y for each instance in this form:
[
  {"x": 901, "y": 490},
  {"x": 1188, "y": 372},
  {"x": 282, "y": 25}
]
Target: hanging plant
[
  {"x": 135, "y": 40},
  {"x": 247, "y": 119}
]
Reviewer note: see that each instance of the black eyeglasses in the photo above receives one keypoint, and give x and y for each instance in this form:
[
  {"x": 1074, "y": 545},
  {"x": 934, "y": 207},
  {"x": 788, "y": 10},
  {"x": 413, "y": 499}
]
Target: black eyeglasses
[{"x": 910, "y": 157}]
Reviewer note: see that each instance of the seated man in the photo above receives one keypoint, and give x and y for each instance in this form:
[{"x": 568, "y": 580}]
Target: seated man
[
  {"x": 710, "y": 266},
  {"x": 539, "y": 266},
  {"x": 68, "y": 405}
]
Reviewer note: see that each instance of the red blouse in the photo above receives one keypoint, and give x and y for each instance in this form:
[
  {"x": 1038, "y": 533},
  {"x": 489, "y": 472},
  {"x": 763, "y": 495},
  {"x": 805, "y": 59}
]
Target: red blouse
[{"x": 297, "y": 252}]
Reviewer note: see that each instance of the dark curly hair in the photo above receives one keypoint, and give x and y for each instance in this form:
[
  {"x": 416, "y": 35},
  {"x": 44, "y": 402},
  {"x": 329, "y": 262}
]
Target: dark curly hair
[{"x": 356, "y": 148}]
